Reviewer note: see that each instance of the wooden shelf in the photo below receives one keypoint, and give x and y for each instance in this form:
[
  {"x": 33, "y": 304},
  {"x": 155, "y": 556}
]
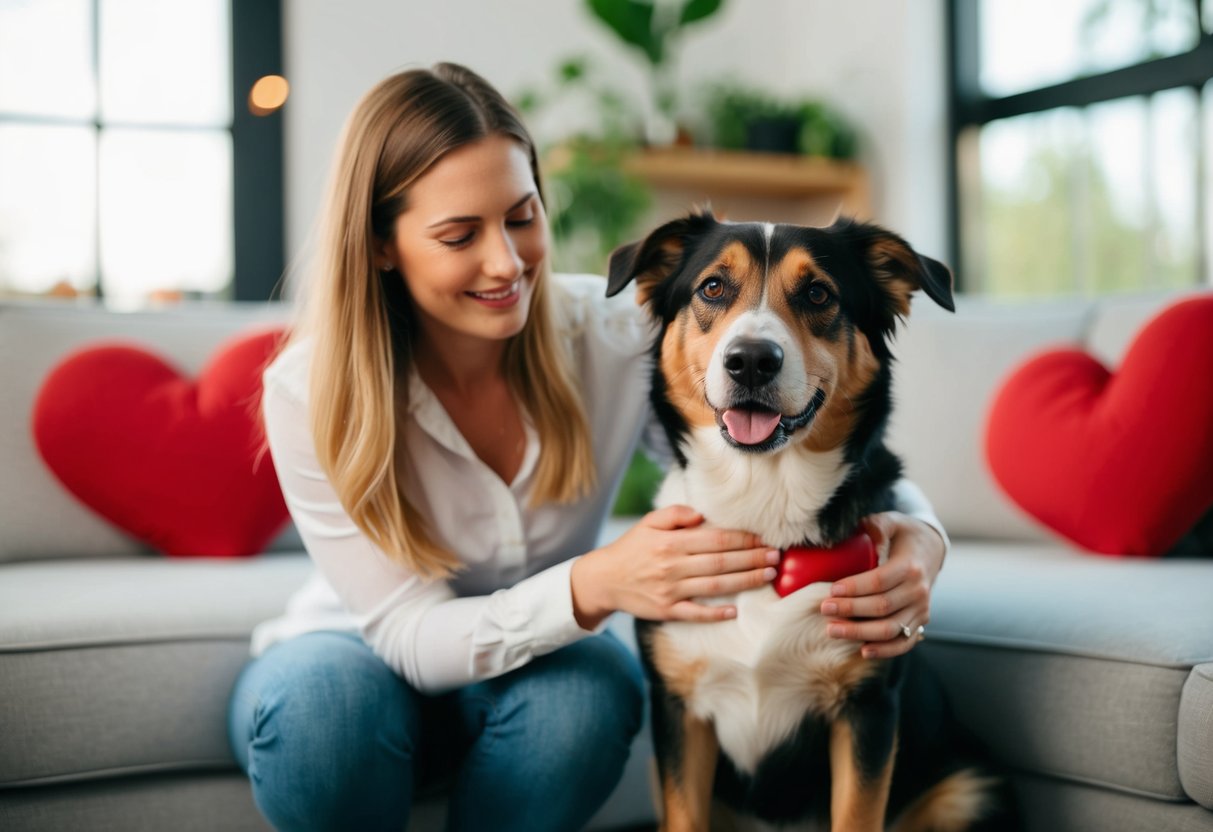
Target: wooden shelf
[
  {"x": 768, "y": 175},
  {"x": 764, "y": 187}
]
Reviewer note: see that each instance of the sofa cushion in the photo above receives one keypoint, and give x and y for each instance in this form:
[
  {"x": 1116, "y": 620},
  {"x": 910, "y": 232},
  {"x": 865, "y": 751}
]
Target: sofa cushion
[
  {"x": 1116, "y": 319},
  {"x": 1116, "y": 459},
  {"x": 39, "y": 517},
  {"x": 1049, "y": 805},
  {"x": 125, "y": 665},
  {"x": 194, "y": 802},
  {"x": 948, "y": 369},
  {"x": 162, "y": 455},
  {"x": 1196, "y": 736},
  {"x": 1075, "y": 666}
]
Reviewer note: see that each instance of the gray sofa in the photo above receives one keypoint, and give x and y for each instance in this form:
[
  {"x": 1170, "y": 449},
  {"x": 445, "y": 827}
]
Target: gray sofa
[
  {"x": 1090, "y": 677},
  {"x": 116, "y": 662}
]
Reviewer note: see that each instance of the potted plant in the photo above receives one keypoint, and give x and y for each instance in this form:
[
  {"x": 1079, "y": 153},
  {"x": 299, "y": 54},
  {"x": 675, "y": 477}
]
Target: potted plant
[
  {"x": 593, "y": 203},
  {"x": 655, "y": 27},
  {"x": 742, "y": 118}
]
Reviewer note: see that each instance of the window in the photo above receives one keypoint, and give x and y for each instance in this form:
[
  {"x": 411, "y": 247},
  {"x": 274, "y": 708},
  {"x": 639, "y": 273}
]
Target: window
[
  {"x": 130, "y": 164},
  {"x": 1082, "y": 137}
]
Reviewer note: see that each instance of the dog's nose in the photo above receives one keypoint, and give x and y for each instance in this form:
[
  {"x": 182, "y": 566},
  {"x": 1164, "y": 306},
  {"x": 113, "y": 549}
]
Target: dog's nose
[{"x": 753, "y": 363}]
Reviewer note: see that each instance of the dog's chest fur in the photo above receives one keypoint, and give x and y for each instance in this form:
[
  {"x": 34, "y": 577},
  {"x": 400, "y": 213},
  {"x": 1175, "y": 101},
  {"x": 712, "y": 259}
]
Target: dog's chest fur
[
  {"x": 759, "y": 675},
  {"x": 775, "y": 496}
]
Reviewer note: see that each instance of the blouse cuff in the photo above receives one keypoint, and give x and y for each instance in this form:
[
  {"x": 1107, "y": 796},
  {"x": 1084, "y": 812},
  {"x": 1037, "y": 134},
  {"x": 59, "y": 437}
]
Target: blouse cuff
[
  {"x": 530, "y": 619},
  {"x": 931, "y": 520},
  {"x": 911, "y": 501}
]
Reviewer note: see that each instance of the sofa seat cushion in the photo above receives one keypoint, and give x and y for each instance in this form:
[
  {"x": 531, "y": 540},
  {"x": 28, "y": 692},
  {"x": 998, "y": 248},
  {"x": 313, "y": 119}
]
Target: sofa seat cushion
[
  {"x": 1052, "y": 805},
  {"x": 125, "y": 665},
  {"x": 193, "y": 802},
  {"x": 1075, "y": 666}
]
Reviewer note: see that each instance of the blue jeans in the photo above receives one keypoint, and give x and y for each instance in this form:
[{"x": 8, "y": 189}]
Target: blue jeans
[{"x": 331, "y": 738}]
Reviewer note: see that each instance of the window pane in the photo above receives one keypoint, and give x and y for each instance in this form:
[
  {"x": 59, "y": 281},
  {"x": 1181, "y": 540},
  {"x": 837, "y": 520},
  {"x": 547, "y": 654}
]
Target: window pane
[
  {"x": 1139, "y": 200},
  {"x": 1173, "y": 174},
  {"x": 46, "y": 58},
  {"x": 1090, "y": 201},
  {"x": 1033, "y": 43},
  {"x": 47, "y": 207},
  {"x": 1113, "y": 200},
  {"x": 165, "y": 62},
  {"x": 1020, "y": 205},
  {"x": 166, "y": 213}
]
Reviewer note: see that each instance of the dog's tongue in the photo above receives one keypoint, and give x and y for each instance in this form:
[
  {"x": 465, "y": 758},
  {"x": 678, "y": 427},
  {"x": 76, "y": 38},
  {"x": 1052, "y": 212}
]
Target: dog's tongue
[{"x": 750, "y": 427}]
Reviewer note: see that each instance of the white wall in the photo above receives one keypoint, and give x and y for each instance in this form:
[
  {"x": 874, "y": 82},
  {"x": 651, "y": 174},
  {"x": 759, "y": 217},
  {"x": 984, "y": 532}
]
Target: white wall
[{"x": 880, "y": 61}]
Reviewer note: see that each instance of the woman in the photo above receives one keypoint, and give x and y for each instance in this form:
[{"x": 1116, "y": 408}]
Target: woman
[{"x": 449, "y": 424}]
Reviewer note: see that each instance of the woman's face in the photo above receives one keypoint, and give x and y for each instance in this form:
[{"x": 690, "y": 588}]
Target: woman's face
[{"x": 470, "y": 243}]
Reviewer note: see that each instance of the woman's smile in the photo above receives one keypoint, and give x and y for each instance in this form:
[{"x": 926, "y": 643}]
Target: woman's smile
[{"x": 499, "y": 298}]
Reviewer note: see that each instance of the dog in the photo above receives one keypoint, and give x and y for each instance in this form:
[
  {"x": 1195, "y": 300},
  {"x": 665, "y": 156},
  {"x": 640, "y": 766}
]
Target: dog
[{"x": 771, "y": 377}]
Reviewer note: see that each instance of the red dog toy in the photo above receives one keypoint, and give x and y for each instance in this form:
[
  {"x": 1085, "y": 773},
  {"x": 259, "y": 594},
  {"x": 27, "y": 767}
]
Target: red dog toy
[{"x": 804, "y": 565}]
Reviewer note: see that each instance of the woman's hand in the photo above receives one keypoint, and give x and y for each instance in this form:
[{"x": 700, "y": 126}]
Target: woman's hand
[
  {"x": 666, "y": 559},
  {"x": 874, "y": 606}
]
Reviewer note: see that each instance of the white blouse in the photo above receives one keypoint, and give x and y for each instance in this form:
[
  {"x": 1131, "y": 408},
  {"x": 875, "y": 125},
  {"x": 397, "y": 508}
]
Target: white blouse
[{"x": 512, "y": 601}]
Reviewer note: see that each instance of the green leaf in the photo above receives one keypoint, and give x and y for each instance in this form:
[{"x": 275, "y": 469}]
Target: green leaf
[
  {"x": 632, "y": 21},
  {"x": 639, "y": 487},
  {"x": 528, "y": 101},
  {"x": 698, "y": 10},
  {"x": 572, "y": 69}
]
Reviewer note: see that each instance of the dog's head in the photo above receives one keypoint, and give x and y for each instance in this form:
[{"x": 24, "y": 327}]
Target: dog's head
[{"x": 776, "y": 333}]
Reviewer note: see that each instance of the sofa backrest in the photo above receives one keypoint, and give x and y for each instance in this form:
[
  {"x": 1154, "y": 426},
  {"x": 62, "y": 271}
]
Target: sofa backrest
[
  {"x": 38, "y": 517},
  {"x": 949, "y": 368}
]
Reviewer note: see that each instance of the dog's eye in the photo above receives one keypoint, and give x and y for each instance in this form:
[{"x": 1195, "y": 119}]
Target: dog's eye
[
  {"x": 819, "y": 295},
  {"x": 712, "y": 288}
]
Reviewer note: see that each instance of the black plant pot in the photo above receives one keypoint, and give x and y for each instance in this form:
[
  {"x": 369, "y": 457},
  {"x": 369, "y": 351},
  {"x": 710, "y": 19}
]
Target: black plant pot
[{"x": 776, "y": 134}]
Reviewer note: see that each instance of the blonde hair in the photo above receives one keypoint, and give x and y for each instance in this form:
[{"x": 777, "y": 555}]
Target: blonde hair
[{"x": 360, "y": 320}]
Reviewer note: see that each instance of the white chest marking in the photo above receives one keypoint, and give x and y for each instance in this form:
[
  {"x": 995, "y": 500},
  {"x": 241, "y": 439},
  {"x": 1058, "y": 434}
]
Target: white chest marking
[
  {"x": 776, "y": 496},
  {"x": 763, "y": 671},
  {"x": 768, "y": 231}
]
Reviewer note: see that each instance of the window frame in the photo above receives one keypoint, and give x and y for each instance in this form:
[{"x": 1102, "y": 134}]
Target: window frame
[
  {"x": 259, "y": 243},
  {"x": 970, "y": 107},
  {"x": 258, "y": 185}
]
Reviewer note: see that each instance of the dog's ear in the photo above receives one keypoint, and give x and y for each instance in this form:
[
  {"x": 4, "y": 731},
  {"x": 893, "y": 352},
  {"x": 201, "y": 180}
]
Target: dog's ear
[
  {"x": 898, "y": 268},
  {"x": 651, "y": 260}
]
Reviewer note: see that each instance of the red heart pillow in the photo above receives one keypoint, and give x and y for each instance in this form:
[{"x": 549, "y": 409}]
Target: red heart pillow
[
  {"x": 1120, "y": 463},
  {"x": 175, "y": 462}
]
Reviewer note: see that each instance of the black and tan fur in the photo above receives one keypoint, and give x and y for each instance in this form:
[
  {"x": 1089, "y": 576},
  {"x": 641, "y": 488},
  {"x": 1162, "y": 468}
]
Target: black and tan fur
[{"x": 765, "y": 718}]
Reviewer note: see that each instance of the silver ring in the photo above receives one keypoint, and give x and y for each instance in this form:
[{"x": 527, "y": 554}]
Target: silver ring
[
  {"x": 906, "y": 631},
  {"x": 921, "y": 632}
]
